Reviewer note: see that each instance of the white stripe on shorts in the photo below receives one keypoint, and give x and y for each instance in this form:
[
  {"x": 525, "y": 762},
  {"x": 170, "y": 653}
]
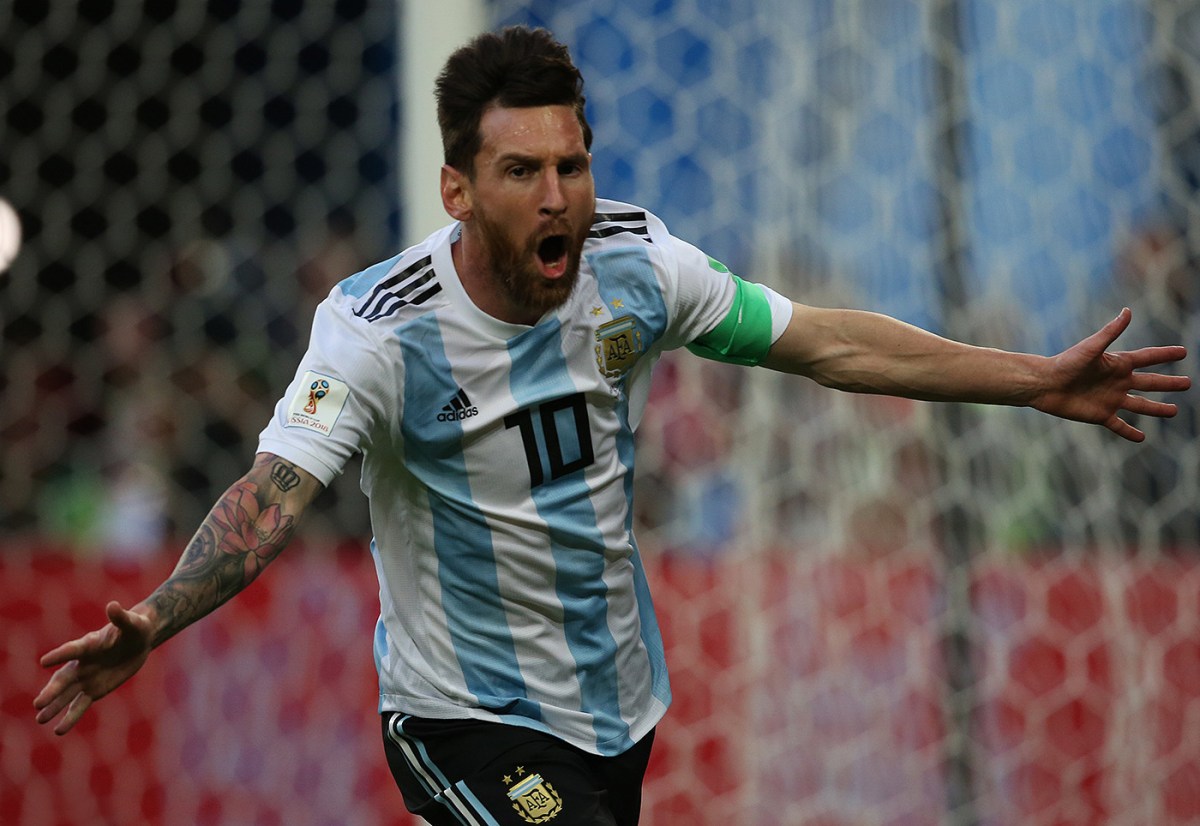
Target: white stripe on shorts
[{"x": 459, "y": 799}]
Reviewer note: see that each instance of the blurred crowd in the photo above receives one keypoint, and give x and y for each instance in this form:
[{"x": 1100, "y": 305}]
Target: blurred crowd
[{"x": 122, "y": 442}]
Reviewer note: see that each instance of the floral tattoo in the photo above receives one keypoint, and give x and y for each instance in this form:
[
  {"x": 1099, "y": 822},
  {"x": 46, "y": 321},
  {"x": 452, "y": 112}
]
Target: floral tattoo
[{"x": 241, "y": 535}]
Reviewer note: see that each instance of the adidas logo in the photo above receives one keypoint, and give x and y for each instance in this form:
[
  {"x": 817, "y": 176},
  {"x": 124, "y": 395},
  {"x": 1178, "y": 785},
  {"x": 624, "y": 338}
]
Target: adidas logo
[{"x": 460, "y": 408}]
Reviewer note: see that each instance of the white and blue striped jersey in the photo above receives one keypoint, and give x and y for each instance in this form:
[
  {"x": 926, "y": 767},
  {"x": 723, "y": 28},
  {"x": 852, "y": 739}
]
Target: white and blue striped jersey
[{"x": 498, "y": 461}]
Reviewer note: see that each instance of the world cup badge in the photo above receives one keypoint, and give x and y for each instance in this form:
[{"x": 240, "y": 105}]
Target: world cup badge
[
  {"x": 535, "y": 799},
  {"x": 317, "y": 403},
  {"x": 316, "y": 391}
]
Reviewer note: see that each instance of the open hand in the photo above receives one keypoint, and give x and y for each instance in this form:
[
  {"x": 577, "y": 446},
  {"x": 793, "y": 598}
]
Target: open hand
[
  {"x": 1092, "y": 385},
  {"x": 92, "y": 666}
]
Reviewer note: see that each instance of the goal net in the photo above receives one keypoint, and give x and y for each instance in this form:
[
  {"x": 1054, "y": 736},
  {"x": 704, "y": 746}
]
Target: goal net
[
  {"x": 877, "y": 612},
  {"x": 914, "y": 614}
]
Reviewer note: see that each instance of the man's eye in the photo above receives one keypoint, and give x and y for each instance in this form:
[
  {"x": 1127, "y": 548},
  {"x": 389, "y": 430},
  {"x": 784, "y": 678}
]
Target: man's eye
[{"x": 519, "y": 171}]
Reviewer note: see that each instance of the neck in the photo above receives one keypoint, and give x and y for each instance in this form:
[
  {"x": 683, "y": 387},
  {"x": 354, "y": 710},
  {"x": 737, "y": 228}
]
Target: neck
[{"x": 475, "y": 273}]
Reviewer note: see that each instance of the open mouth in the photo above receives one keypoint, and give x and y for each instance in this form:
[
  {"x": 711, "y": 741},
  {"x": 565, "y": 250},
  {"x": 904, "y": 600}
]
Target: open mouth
[{"x": 552, "y": 252}]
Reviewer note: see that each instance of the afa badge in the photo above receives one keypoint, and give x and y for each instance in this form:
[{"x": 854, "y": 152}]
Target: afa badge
[
  {"x": 535, "y": 799},
  {"x": 618, "y": 345}
]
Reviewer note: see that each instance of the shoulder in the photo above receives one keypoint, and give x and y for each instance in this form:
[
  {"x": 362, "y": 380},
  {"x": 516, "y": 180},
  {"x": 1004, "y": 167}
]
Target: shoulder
[
  {"x": 616, "y": 224},
  {"x": 394, "y": 289},
  {"x": 625, "y": 235}
]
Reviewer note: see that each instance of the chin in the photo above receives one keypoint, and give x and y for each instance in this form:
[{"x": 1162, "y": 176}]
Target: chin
[{"x": 550, "y": 295}]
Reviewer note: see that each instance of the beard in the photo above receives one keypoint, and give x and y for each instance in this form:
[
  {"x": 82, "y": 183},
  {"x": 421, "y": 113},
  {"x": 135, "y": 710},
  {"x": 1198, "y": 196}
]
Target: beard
[{"x": 514, "y": 266}]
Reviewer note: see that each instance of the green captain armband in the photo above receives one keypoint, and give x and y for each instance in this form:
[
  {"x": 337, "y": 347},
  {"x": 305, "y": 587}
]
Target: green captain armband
[{"x": 744, "y": 335}]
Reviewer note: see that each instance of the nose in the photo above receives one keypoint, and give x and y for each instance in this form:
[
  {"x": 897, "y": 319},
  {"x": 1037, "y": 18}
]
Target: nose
[{"x": 554, "y": 197}]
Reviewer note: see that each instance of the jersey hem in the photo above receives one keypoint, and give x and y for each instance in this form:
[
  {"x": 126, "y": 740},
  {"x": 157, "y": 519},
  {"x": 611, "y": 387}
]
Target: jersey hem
[
  {"x": 322, "y": 470},
  {"x": 436, "y": 711}
]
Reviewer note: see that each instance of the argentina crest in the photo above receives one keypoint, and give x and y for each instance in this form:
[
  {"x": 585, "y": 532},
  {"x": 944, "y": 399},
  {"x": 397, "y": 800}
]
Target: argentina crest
[
  {"x": 535, "y": 799},
  {"x": 618, "y": 345}
]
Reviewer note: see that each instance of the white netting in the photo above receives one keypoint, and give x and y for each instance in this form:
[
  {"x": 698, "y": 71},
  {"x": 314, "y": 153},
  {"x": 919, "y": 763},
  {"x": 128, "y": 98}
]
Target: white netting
[
  {"x": 192, "y": 178},
  {"x": 939, "y": 611},
  {"x": 1009, "y": 173},
  {"x": 877, "y": 612}
]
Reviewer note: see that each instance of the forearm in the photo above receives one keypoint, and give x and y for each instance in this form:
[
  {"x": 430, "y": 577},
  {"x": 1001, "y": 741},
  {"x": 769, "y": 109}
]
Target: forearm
[
  {"x": 244, "y": 532},
  {"x": 871, "y": 353}
]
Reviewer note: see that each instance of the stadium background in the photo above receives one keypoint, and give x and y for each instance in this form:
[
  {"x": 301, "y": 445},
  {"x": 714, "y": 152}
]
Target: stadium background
[{"x": 877, "y": 612}]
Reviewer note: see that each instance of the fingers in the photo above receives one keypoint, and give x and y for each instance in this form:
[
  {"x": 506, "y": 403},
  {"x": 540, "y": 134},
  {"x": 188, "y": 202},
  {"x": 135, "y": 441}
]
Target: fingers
[
  {"x": 127, "y": 623},
  {"x": 1142, "y": 407},
  {"x": 118, "y": 616},
  {"x": 1124, "y": 429},
  {"x": 55, "y": 687},
  {"x": 1160, "y": 382},
  {"x": 1148, "y": 356},
  {"x": 75, "y": 705},
  {"x": 95, "y": 641},
  {"x": 78, "y": 706},
  {"x": 1109, "y": 333},
  {"x": 89, "y": 643},
  {"x": 54, "y": 706},
  {"x": 63, "y": 691},
  {"x": 90, "y": 667},
  {"x": 65, "y": 653},
  {"x": 1149, "y": 407}
]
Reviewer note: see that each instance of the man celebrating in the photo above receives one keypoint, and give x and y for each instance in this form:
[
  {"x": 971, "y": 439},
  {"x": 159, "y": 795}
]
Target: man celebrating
[{"x": 492, "y": 376}]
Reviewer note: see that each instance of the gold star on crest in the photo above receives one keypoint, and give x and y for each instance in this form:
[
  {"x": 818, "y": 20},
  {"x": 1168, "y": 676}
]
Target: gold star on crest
[
  {"x": 597, "y": 310},
  {"x": 618, "y": 303},
  {"x": 507, "y": 780}
]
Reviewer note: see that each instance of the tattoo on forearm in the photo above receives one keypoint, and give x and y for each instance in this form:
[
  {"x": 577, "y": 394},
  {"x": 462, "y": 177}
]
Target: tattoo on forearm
[
  {"x": 241, "y": 535},
  {"x": 284, "y": 476}
]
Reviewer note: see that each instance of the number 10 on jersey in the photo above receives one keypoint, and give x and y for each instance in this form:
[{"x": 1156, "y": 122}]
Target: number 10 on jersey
[{"x": 546, "y": 433}]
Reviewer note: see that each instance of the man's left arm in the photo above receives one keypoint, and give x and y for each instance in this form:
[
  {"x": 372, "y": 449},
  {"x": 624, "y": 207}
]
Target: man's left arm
[{"x": 868, "y": 352}]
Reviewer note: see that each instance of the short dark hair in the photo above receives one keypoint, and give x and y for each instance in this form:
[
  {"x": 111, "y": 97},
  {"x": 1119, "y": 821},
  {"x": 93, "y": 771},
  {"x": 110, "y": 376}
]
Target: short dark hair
[{"x": 515, "y": 67}]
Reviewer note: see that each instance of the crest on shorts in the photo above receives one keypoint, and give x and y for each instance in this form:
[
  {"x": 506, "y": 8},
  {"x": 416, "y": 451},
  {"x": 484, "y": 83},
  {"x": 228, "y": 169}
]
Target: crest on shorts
[
  {"x": 618, "y": 345},
  {"x": 535, "y": 799}
]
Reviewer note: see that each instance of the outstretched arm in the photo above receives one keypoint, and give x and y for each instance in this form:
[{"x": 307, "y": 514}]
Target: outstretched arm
[
  {"x": 871, "y": 353},
  {"x": 245, "y": 530}
]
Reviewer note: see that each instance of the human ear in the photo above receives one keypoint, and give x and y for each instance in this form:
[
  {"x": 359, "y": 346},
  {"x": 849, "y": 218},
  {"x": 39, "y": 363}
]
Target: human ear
[{"x": 456, "y": 193}]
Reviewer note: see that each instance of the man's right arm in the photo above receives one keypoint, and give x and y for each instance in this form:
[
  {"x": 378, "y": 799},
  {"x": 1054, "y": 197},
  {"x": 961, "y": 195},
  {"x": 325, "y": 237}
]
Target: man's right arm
[{"x": 245, "y": 530}]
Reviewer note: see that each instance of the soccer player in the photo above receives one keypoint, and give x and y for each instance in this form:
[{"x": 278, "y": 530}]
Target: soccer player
[{"x": 492, "y": 377}]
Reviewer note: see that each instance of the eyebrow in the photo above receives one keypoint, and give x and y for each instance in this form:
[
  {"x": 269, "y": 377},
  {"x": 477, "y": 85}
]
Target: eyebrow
[{"x": 531, "y": 160}]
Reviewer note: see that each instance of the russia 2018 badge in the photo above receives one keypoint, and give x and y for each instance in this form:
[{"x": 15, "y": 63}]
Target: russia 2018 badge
[{"x": 318, "y": 403}]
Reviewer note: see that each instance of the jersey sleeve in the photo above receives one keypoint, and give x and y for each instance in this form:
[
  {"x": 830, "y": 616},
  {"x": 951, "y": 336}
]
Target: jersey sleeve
[
  {"x": 338, "y": 397},
  {"x": 706, "y": 293}
]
